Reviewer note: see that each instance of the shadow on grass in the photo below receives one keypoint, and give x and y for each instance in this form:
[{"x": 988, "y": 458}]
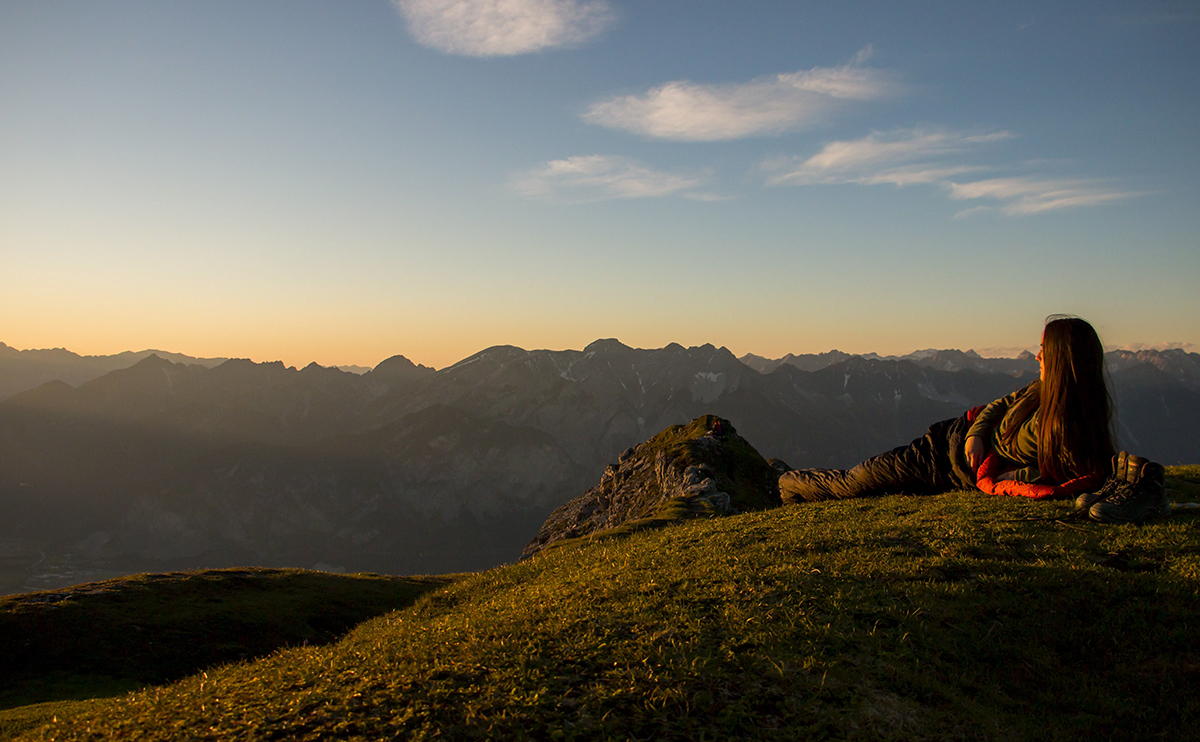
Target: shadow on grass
[{"x": 106, "y": 638}]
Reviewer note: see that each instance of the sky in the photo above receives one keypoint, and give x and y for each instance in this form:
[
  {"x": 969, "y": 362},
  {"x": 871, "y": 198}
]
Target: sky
[{"x": 341, "y": 182}]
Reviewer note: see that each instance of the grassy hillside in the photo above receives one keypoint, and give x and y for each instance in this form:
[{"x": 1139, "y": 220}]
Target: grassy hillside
[
  {"x": 107, "y": 638},
  {"x": 949, "y": 617}
]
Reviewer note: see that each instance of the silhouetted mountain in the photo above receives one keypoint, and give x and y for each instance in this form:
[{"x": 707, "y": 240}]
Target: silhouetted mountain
[
  {"x": 942, "y": 360},
  {"x": 1157, "y": 413},
  {"x": 804, "y": 362},
  {"x": 1179, "y": 365},
  {"x": 404, "y": 469},
  {"x": 399, "y": 370},
  {"x": 21, "y": 370}
]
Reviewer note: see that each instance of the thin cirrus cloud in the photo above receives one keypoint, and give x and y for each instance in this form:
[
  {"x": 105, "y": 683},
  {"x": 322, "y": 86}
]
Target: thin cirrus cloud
[
  {"x": 603, "y": 177},
  {"x": 900, "y": 158},
  {"x": 1031, "y": 195},
  {"x": 504, "y": 28},
  {"x": 911, "y": 157},
  {"x": 688, "y": 111}
]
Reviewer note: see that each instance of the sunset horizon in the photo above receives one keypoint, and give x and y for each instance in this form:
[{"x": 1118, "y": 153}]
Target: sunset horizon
[
  {"x": 340, "y": 183},
  {"x": 300, "y": 361}
]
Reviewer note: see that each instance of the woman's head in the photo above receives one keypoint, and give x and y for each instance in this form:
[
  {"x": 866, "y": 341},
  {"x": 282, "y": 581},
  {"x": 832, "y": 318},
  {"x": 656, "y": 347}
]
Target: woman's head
[
  {"x": 1071, "y": 351},
  {"x": 1075, "y": 410}
]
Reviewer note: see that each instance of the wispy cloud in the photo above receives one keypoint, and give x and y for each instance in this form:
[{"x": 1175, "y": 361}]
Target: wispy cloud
[
  {"x": 942, "y": 158},
  {"x": 901, "y": 158},
  {"x": 1187, "y": 347},
  {"x": 501, "y": 28},
  {"x": 1031, "y": 195},
  {"x": 696, "y": 112},
  {"x": 603, "y": 177}
]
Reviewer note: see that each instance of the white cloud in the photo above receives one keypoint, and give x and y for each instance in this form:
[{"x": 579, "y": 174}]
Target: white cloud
[
  {"x": 905, "y": 176},
  {"x": 1186, "y": 347},
  {"x": 912, "y": 157},
  {"x": 883, "y": 158},
  {"x": 602, "y": 177},
  {"x": 500, "y": 28},
  {"x": 1031, "y": 195},
  {"x": 974, "y": 210},
  {"x": 696, "y": 112}
]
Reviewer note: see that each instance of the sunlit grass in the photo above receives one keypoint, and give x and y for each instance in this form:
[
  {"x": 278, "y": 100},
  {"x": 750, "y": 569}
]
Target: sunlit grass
[
  {"x": 105, "y": 639},
  {"x": 949, "y": 617}
]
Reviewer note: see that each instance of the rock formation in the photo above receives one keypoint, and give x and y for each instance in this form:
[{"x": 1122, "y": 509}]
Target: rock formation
[{"x": 702, "y": 469}]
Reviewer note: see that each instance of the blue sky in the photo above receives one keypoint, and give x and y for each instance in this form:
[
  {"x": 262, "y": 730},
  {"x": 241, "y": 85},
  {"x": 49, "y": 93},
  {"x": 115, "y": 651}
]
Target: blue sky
[{"x": 341, "y": 182}]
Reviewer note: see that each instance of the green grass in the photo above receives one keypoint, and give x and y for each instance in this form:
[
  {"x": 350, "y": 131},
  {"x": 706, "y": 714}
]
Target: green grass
[
  {"x": 1183, "y": 483},
  {"x": 14, "y": 721},
  {"x": 958, "y": 616},
  {"x": 107, "y": 638}
]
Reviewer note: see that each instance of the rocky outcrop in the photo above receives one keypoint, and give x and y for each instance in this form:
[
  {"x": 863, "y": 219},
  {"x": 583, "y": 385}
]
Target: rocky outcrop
[{"x": 702, "y": 469}]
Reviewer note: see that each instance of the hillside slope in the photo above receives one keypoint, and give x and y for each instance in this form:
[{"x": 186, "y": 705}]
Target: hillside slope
[
  {"x": 106, "y": 638},
  {"x": 947, "y": 617}
]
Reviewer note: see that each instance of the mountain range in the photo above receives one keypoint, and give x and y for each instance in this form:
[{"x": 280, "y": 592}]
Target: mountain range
[
  {"x": 25, "y": 369},
  {"x": 408, "y": 470}
]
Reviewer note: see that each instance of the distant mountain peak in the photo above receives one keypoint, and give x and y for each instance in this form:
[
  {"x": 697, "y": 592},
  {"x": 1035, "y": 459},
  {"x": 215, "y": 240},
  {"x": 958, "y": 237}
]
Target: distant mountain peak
[
  {"x": 945, "y": 360},
  {"x": 399, "y": 367},
  {"x": 394, "y": 362},
  {"x": 151, "y": 361},
  {"x": 51, "y": 395},
  {"x": 606, "y": 345}
]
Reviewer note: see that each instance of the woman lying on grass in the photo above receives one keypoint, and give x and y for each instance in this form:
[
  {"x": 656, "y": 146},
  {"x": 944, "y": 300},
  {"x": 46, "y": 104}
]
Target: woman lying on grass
[{"x": 1051, "y": 439}]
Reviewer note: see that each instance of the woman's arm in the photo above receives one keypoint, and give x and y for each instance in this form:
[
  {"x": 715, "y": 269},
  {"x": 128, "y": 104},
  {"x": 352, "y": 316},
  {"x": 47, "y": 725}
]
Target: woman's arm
[
  {"x": 976, "y": 449},
  {"x": 990, "y": 417},
  {"x": 979, "y": 436}
]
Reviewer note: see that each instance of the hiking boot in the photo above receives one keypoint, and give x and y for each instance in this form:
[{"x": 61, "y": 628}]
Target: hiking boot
[
  {"x": 1125, "y": 470},
  {"x": 1137, "y": 493},
  {"x": 1120, "y": 470},
  {"x": 1088, "y": 499}
]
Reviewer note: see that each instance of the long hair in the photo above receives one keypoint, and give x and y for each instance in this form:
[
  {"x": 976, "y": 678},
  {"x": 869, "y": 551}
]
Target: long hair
[{"x": 1072, "y": 402}]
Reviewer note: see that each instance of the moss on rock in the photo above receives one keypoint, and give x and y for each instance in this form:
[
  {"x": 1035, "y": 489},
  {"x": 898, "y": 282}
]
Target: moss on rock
[{"x": 702, "y": 469}]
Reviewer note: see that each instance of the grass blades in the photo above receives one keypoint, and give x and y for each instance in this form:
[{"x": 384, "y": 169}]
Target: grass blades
[
  {"x": 107, "y": 638},
  {"x": 958, "y": 616}
]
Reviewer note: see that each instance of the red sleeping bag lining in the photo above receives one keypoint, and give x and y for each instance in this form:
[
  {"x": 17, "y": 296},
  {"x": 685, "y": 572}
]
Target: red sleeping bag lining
[{"x": 985, "y": 480}]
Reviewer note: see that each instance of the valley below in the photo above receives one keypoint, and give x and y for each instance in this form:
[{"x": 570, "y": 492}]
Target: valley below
[{"x": 166, "y": 465}]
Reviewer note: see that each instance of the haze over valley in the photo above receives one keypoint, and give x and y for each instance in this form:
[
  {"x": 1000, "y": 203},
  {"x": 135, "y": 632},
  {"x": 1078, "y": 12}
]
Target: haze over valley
[{"x": 406, "y": 470}]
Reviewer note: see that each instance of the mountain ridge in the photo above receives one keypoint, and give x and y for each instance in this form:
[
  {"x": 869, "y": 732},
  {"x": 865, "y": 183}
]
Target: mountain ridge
[
  {"x": 408, "y": 469},
  {"x": 21, "y": 370}
]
